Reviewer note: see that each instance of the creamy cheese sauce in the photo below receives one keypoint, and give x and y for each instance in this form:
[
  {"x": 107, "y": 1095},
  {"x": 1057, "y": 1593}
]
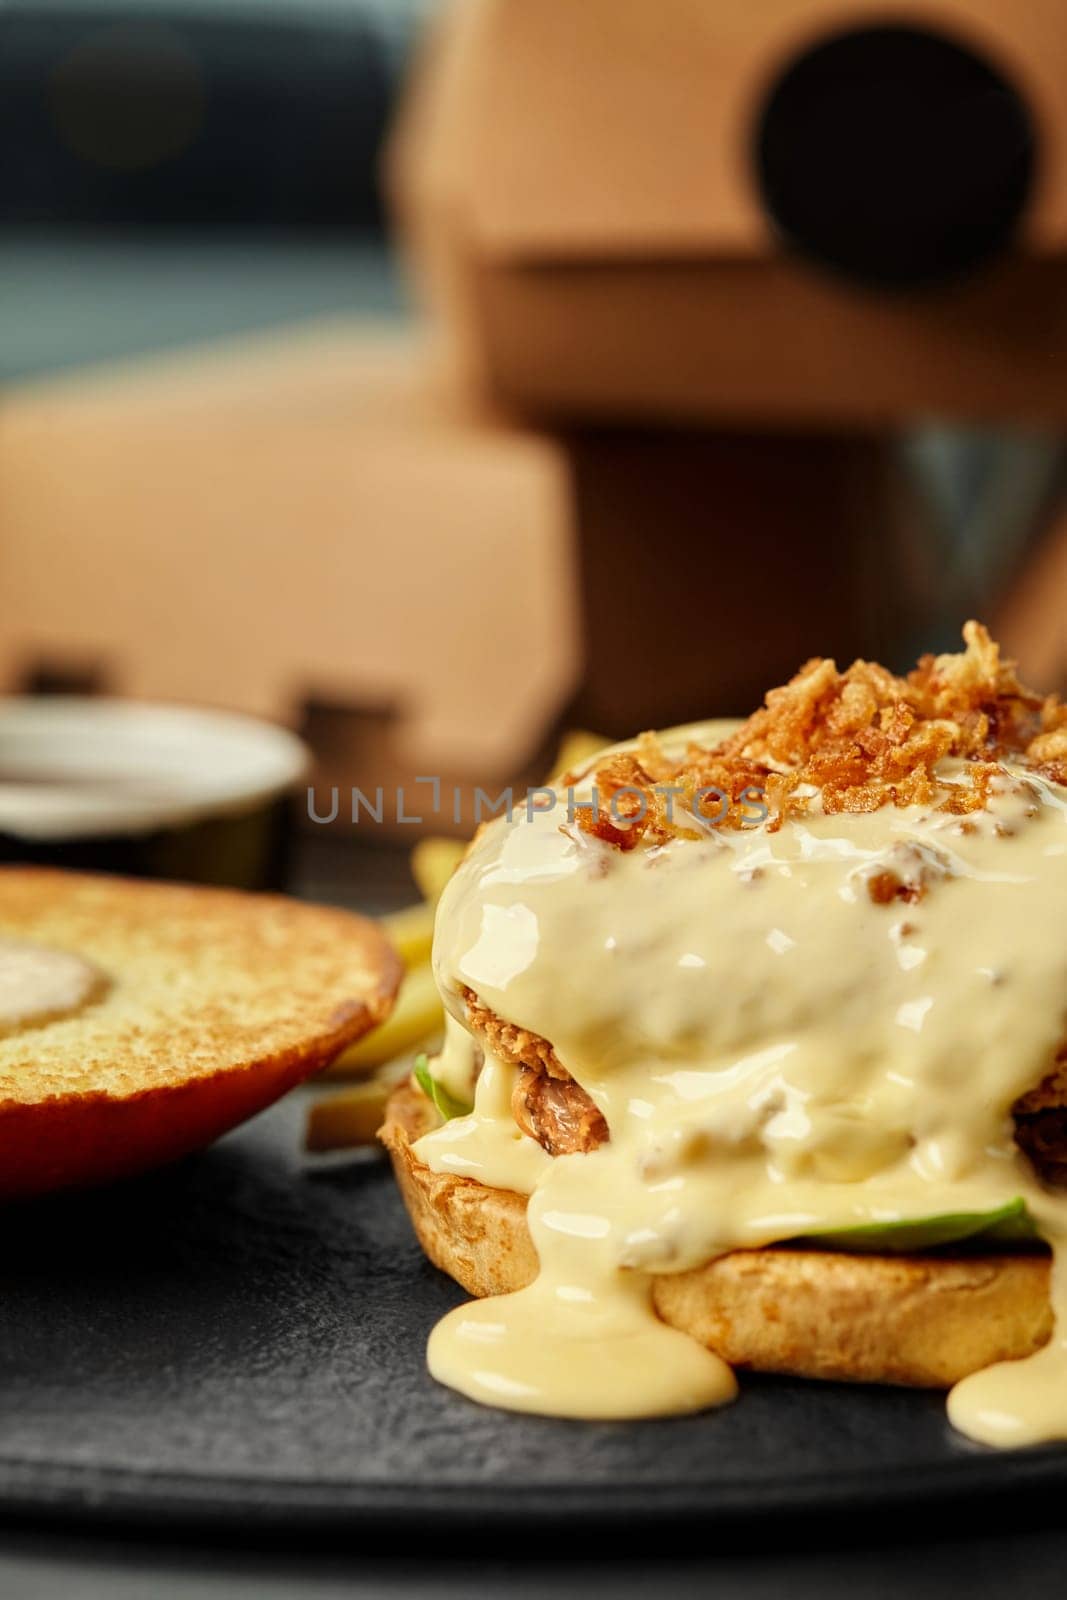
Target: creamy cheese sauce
[
  {"x": 39, "y": 984},
  {"x": 775, "y": 1054},
  {"x": 488, "y": 1146}
]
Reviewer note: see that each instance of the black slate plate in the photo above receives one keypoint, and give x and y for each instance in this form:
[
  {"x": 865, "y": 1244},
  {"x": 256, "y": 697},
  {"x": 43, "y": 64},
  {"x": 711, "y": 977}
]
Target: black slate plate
[{"x": 239, "y": 1342}]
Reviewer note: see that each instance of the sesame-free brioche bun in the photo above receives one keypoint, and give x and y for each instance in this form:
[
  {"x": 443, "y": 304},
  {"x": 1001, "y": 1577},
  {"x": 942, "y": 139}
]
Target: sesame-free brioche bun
[
  {"x": 921, "y": 1320},
  {"x": 213, "y": 1003}
]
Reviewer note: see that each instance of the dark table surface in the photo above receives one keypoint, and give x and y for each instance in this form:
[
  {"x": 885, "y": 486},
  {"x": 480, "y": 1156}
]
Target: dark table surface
[{"x": 982, "y": 1562}]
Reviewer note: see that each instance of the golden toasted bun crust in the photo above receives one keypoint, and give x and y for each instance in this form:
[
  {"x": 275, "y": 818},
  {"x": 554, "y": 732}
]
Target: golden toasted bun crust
[
  {"x": 926, "y": 1321},
  {"x": 216, "y": 1003}
]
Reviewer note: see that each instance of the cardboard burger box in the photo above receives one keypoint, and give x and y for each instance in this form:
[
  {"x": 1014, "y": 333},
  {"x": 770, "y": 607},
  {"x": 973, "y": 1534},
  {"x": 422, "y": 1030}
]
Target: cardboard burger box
[
  {"x": 580, "y": 191},
  {"x": 579, "y": 187},
  {"x": 313, "y": 527}
]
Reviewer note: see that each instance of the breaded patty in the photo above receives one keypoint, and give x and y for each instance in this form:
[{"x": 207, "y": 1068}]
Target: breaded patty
[
  {"x": 556, "y": 1111},
  {"x": 546, "y": 1102},
  {"x": 1041, "y": 1123}
]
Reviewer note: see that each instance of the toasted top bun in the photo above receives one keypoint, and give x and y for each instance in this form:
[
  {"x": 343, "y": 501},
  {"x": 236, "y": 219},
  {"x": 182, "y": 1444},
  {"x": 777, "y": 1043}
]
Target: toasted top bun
[
  {"x": 922, "y": 1320},
  {"x": 212, "y": 1004}
]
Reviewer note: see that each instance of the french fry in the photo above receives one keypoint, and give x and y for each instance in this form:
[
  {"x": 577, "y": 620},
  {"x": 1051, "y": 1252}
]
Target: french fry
[
  {"x": 433, "y": 861},
  {"x": 576, "y": 748},
  {"x": 353, "y": 1117},
  {"x": 411, "y": 931},
  {"x": 417, "y": 1014}
]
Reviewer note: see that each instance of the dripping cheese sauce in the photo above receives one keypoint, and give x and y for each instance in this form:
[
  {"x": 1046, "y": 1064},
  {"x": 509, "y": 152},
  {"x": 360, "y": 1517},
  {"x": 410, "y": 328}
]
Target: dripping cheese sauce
[{"x": 775, "y": 1053}]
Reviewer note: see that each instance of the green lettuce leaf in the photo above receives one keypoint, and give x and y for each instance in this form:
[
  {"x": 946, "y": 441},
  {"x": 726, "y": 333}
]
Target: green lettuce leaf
[
  {"x": 446, "y": 1103},
  {"x": 1009, "y": 1223}
]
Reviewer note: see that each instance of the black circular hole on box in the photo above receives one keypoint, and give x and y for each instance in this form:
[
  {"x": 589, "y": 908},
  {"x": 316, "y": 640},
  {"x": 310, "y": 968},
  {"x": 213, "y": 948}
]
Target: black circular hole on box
[{"x": 894, "y": 155}]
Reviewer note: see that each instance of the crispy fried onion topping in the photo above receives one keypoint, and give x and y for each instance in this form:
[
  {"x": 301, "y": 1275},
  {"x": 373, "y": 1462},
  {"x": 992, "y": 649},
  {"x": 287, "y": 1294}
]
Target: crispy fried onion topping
[{"x": 847, "y": 741}]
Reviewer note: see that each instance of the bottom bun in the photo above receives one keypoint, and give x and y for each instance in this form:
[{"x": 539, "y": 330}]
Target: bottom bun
[{"x": 921, "y": 1320}]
